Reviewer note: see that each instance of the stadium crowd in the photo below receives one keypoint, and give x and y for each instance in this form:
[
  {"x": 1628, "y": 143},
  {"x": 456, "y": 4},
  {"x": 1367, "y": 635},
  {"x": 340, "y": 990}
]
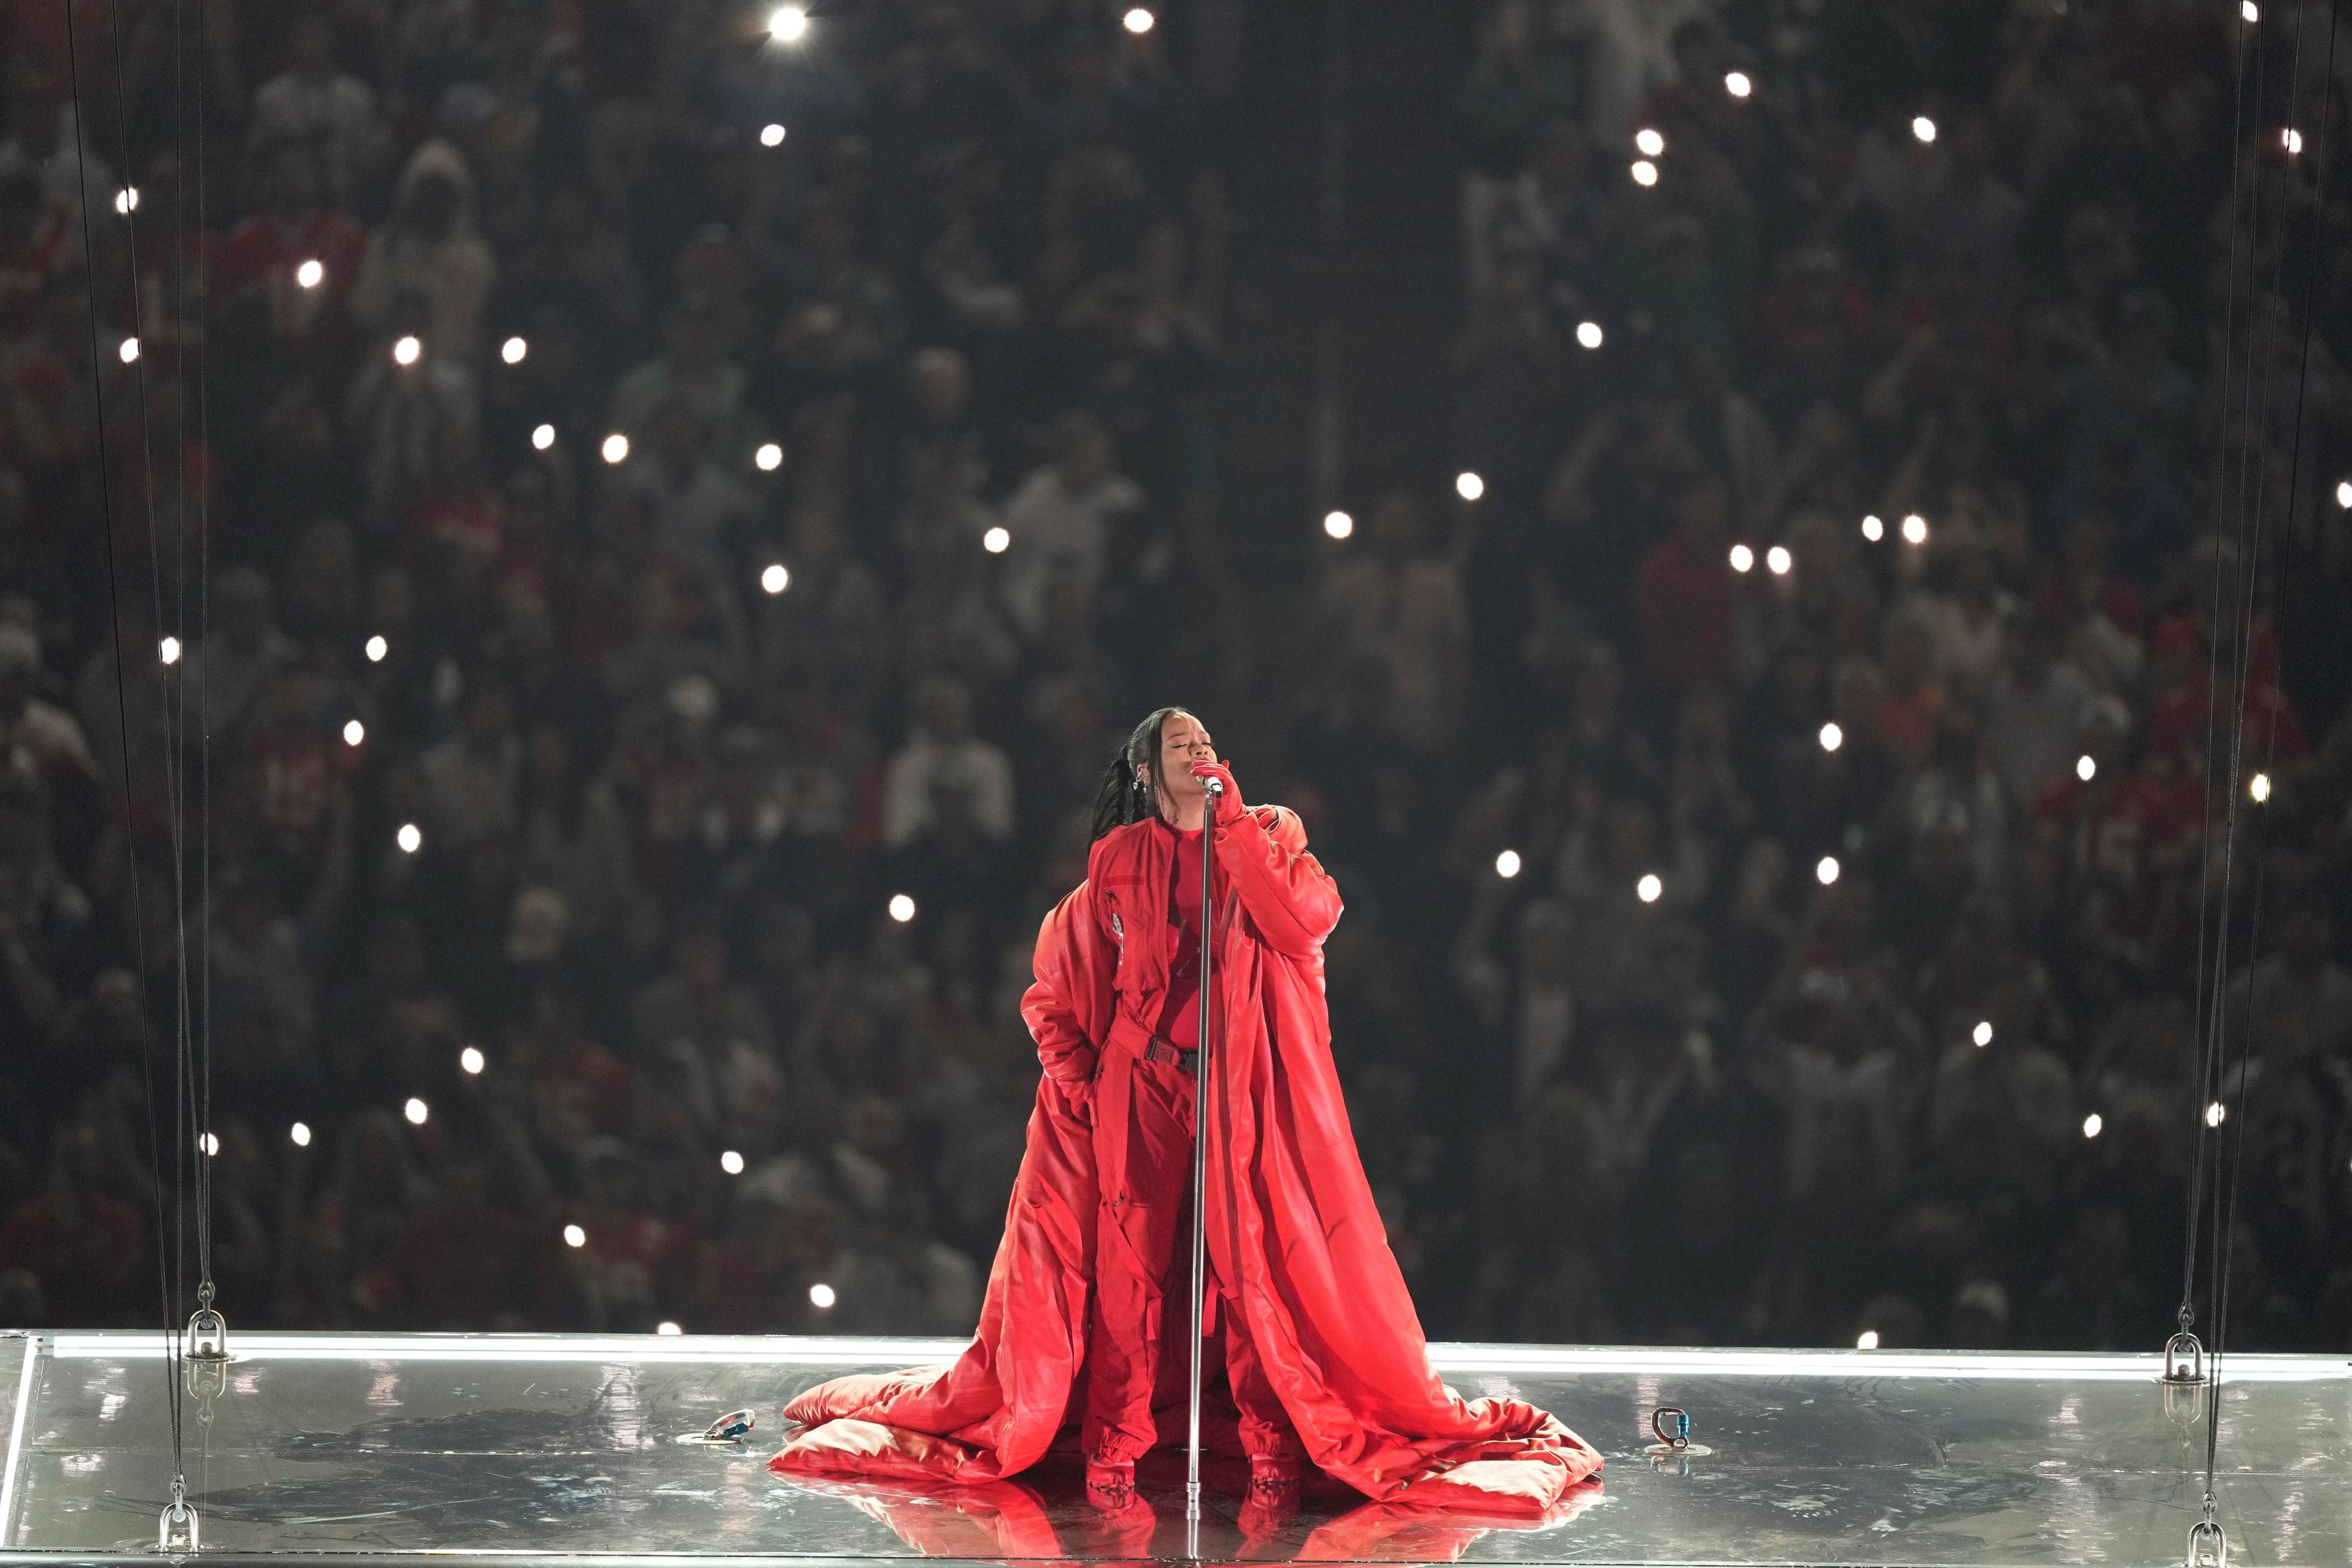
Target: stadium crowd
[{"x": 568, "y": 569}]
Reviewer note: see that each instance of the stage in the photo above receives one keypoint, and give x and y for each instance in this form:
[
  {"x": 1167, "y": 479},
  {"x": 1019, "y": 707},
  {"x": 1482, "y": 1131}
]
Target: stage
[{"x": 542, "y": 1446}]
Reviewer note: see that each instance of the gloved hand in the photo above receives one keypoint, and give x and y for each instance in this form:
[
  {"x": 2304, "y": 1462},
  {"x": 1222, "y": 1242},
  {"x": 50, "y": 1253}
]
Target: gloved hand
[{"x": 1228, "y": 806}]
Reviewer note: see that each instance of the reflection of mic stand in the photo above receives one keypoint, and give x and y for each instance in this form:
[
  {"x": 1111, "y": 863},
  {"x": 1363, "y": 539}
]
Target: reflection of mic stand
[{"x": 1200, "y": 1167}]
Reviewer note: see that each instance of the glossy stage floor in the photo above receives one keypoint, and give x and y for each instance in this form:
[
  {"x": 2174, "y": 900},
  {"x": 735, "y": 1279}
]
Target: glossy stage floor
[{"x": 546, "y": 1447}]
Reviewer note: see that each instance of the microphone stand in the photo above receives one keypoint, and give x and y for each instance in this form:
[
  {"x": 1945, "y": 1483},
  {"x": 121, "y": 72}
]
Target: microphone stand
[{"x": 1200, "y": 1168}]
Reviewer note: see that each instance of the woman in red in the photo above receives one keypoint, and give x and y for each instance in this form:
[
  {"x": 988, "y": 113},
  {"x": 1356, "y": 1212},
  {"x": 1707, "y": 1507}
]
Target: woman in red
[{"x": 1087, "y": 1306}]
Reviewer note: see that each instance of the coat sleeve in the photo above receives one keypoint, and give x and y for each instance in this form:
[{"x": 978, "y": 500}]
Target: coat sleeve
[
  {"x": 1291, "y": 899},
  {"x": 1071, "y": 970}
]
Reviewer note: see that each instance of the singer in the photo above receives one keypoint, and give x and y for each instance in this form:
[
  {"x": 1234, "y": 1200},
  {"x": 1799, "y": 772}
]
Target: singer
[{"x": 1088, "y": 1312}]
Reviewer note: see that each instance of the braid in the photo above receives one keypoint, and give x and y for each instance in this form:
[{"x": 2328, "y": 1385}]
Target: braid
[{"x": 1126, "y": 794}]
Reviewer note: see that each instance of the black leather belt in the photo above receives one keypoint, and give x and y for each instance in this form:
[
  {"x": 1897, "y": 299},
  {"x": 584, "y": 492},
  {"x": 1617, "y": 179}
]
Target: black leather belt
[{"x": 1161, "y": 1051}]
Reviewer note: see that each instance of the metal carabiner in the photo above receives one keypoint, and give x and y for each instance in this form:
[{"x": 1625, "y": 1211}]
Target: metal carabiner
[
  {"x": 2207, "y": 1546},
  {"x": 2184, "y": 1358}
]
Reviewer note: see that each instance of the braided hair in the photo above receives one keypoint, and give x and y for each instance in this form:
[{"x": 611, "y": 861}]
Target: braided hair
[{"x": 1128, "y": 794}]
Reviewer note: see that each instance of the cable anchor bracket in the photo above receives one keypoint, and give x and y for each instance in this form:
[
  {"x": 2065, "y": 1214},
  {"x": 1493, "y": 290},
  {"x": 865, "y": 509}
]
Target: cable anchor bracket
[
  {"x": 2184, "y": 1359},
  {"x": 176, "y": 1532}
]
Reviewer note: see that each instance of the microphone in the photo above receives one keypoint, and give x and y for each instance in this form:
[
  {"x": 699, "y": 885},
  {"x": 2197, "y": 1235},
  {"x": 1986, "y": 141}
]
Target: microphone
[{"x": 1215, "y": 786}]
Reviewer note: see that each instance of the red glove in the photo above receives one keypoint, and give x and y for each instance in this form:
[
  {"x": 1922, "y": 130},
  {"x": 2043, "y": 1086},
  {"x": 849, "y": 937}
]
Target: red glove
[{"x": 1228, "y": 806}]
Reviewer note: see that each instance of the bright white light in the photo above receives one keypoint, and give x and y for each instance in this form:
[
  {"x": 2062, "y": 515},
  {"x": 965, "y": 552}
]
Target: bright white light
[
  {"x": 309, "y": 275},
  {"x": 1866, "y": 1341},
  {"x": 667, "y": 1327},
  {"x": 1139, "y": 21},
  {"x": 2214, "y": 1114},
  {"x": 1832, "y": 736},
  {"x": 2093, "y": 1125},
  {"x": 376, "y": 648},
  {"x": 788, "y": 25},
  {"x": 411, "y": 839},
  {"x": 2086, "y": 767},
  {"x": 732, "y": 1161},
  {"x": 575, "y": 1237},
  {"x": 512, "y": 350},
  {"x": 1983, "y": 1033},
  {"x": 1873, "y": 530},
  {"x": 1914, "y": 530},
  {"x": 416, "y": 1111},
  {"x": 616, "y": 447},
  {"x": 1737, "y": 84},
  {"x": 2292, "y": 140},
  {"x": 300, "y": 1133},
  {"x": 996, "y": 541},
  {"x": 472, "y": 1061},
  {"x": 2249, "y": 11},
  {"x": 2258, "y": 788},
  {"x": 771, "y": 135},
  {"x": 902, "y": 907},
  {"x": 353, "y": 733},
  {"x": 1924, "y": 129},
  {"x": 542, "y": 436},
  {"x": 1338, "y": 524},
  {"x": 1650, "y": 143},
  {"x": 1506, "y": 864},
  {"x": 1742, "y": 558},
  {"x": 1468, "y": 486},
  {"x": 768, "y": 457},
  {"x": 1825, "y": 870},
  {"x": 168, "y": 650},
  {"x": 1648, "y": 889},
  {"x": 406, "y": 351},
  {"x": 126, "y": 201},
  {"x": 1778, "y": 560},
  {"x": 820, "y": 1296},
  {"x": 1644, "y": 171},
  {"x": 208, "y": 1145},
  {"x": 774, "y": 579},
  {"x": 129, "y": 351},
  {"x": 2343, "y": 494},
  {"x": 1589, "y": 333}
]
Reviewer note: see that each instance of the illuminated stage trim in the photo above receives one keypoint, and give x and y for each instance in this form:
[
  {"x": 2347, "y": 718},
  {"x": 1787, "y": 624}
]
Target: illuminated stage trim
[{"x": 562, "y": 1446}]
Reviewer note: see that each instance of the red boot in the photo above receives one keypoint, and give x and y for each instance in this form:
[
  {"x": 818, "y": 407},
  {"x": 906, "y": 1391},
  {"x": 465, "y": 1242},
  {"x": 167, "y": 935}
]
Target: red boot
[{"x": 1110, "y": 1483}]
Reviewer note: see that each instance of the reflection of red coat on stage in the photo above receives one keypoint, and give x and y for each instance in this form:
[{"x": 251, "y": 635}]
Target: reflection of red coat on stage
[{"x": 1294, "y": 1238}]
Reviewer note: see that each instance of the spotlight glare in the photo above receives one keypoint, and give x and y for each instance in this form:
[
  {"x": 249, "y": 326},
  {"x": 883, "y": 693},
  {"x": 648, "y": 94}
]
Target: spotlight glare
[
  {"x": 1589, "y": 333},
  {"x": 411, "y": 839},
  {"x": 416, "y": 1111},
  {"x": 1742, "y": 558},
  {"x": 1338, "y": 524},
  {"x": 208, "y": 1145},
  {"x": 768, "y": 457},
  {"x": 1983, "y": 1033},
  {"x": 376, "y": 648},
  {"x": 543, "y": 437},
  {"x": 310, "y": 274},
  {"x": 1506, "y": 864},
  {"x": 820, "y": 1296},
  {"x": 1139, "y": 21},
  {"x": 1914, "y": 530},
  {"x": 2258, "y": 788},
  {"x": 772, "y": 136},
  {"x": 996, "y": 541},
  {"x": 300, "y": 1133},
  {"x": 126, "y": 201},
  {"x": 2215, "y": 1114},
  {"x": 1924, "y": 129},
  {"x": 168, "y": 650},
  {"x": 1648, "y": 889},
  {"x": 407, "y": 351},
  {"x": 1468, "y": 485},
  {"x": 1826, "y": 871},
  {"x": 1832, "y": 736},
  {"x": 732, "y": 1161},
  {"x": 1644, "y": 171},
  {"x": 902, "y": 907},
  {"x": 1778, "y": 560},
  {"x": 2093, "y": 1125},
  {"x": 1873, "y": 530},
  {"x": 575, "y": 1237},
  {"x": 129, "y": 351},
  {"x": 2292, "y": 140},
  {"x": 471, "y": 1061},
  {"x": 513, "y": 350},
  {"x": 774, "y": 579},
  {"x": 1866, "y": 1341},
  {"x": 616, "y": 447},
  {"x": 2086, "y": 767},
  {"x": 1737, "y": 84},
  {"x": 2343, "y": 494},
  {"x": 2249, "y": 11},
  {"x": 353, "y": 733},
  {"x": 668, "y": 1329},
  {"x": 1650, "y": 143},
  {"x": 788, "y": 25}
]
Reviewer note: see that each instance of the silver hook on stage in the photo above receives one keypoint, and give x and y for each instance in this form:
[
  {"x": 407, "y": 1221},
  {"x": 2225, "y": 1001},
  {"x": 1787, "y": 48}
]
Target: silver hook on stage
[
  {"x": 2184, "y": 1359},
  {"x": 204, "y": 1358},
  {"x": 180, "y": 1516},
  {"x": 2209, "y": 1547}
]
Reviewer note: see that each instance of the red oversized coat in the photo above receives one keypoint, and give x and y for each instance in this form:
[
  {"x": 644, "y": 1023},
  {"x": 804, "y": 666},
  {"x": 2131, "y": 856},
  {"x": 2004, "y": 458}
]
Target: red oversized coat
[{"x": 1293, "y": 1232}]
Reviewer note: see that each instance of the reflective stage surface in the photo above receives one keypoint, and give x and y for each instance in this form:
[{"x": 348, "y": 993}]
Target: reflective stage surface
[{"x": 532, "y": 1445}]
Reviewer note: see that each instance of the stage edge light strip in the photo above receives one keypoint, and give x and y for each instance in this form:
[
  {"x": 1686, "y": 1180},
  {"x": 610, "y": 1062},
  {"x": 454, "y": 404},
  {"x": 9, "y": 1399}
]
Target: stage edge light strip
[{"x": 16, "y": 1437}]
